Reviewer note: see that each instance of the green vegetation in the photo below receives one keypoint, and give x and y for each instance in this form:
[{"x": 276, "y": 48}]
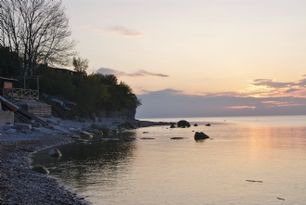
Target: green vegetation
[
  {"x": 80, "y": 65},
  {"x": 93, "y": 94},
  {"x": 10, "y": 63}
]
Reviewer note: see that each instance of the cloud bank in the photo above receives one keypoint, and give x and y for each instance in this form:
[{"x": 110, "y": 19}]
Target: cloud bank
[
  {"x": 139, "y": 73},
  {"x": 269, "y": 87},
  {"x": 174, "y": 103}
]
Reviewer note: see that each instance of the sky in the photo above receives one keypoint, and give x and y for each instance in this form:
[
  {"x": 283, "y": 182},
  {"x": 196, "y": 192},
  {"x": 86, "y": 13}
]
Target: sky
[{"x": 232, "y": 48}]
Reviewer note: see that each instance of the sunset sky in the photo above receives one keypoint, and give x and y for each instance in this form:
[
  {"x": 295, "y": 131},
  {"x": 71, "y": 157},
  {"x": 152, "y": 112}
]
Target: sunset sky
[{"x": 254, "y": 48}]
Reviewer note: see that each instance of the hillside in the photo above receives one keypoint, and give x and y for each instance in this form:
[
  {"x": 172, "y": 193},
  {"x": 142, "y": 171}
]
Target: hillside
[{"x": 86, "y": 96}]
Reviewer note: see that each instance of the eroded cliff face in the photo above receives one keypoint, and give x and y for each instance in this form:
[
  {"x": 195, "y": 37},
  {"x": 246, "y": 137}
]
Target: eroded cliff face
[{"x": 126, "y": 114}]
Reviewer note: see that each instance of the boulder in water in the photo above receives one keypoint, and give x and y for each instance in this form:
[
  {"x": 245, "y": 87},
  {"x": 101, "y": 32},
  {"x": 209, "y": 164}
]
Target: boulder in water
[
  {"x": 147, "y": 138},
  {"x": 200, "y": 136},
  {"x": 177, "y": 138},
  {"x": 172, "y": 125},
  {"x": 86, "y": 135},
  {"x": 56, "y": 153},
  {"x": 183, "y": 124},
  {"x": 41, "y": 169},
  {"x": 75, "y": 137},
  {"x": 97, "y": 132},
  {"x": 129, "y": 139}
]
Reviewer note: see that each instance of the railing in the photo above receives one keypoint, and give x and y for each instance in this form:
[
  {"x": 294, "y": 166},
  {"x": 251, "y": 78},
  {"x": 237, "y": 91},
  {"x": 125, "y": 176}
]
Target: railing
[{"x": 21, "y": 94}]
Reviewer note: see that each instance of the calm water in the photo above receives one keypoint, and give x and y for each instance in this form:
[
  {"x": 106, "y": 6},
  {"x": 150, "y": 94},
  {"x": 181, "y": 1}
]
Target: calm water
[{"x": 213, "y": 172}]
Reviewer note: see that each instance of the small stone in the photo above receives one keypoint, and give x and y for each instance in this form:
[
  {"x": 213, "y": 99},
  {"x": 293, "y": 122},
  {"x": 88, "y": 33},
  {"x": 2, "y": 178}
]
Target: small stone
[
  {"x": 254, "y": 181},
  {"x": 86, "y": 135},
  {"x": 56, "y": 153},
  {"x": 177, "y": 138},
  {"x": 281, "y": 199},
  {"x": 147, "y": 138}
]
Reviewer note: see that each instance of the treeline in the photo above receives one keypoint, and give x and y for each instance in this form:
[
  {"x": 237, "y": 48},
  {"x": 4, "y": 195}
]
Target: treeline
[
  {"x": 10, "y": 63},
  {"x": 93, "y": 94}
]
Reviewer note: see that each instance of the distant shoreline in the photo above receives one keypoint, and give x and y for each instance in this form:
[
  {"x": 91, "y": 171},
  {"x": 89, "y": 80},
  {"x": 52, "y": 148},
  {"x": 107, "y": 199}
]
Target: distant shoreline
[{"x": 215, "y": 117}]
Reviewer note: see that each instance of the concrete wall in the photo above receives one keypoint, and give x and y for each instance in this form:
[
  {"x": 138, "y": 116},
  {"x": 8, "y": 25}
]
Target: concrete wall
[{"x": 6, "y": 117}]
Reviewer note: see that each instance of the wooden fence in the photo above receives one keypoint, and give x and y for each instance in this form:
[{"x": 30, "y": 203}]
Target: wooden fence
[{"x": 21, "y": 94}]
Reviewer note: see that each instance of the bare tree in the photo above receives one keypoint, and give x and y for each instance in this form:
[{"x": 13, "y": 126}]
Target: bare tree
[
  {"x": 37, "y": 30},
  {"x": 80, "y": 65}
]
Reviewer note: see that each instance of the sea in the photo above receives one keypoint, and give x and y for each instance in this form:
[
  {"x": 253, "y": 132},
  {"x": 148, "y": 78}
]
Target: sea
[{"x": 246, "y": 161}]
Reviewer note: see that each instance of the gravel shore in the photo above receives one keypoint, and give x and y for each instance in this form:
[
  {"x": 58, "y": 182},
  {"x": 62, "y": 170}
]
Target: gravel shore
[{"x": 19, "y": 184}]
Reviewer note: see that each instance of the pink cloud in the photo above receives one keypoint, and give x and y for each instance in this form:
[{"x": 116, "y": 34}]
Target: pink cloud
[
  {"x": 272, "y": 88},
  {"x": 241, "y": 107},
  {"x": 282, "y": 104}
]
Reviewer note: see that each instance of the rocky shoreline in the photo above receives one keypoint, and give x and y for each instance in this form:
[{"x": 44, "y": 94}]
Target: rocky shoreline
[{"x": 19, "y": 184}]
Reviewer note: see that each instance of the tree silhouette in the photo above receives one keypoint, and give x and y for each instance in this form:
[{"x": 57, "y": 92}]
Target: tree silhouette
[{"x": 37, "y": 30}]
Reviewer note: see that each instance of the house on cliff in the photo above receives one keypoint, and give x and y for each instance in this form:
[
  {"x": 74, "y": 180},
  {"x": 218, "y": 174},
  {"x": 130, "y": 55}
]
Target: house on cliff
[
  {"x": 20, "y": 104},
  {"x": 6, "y": 115}
]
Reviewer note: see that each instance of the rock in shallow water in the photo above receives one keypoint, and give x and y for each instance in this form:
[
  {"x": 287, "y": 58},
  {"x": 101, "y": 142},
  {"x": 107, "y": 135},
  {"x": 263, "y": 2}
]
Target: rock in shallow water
[
  {"x": 177, "y": 138},
  {"x": 200, "y": 136},
  {"x": 41, "y": 169},
  {"x": 56, "y": 153},
  {"x": 75, "y": 137},
  {"x": 147, "y": 138},
  {"x": 86, "y": 135},
  {"x": 183, "y": 124}
]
